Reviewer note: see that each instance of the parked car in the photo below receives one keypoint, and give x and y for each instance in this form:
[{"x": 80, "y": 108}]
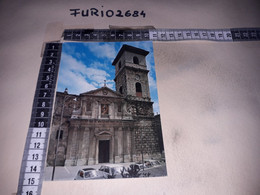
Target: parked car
[
  {"x": 141, "y": 166},
  {"x": 90, "y": 173},
  {"x": 113, "y": 171},
  {"x": 148, "y": 164},
  {"x": 151, "y": 163},
  {"x": 155, "y": 162},
  {"x": 134, "y": 170}
]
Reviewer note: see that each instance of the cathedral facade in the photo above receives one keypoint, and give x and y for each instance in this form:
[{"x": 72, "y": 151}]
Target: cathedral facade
[{"x": 107, "y": 126}]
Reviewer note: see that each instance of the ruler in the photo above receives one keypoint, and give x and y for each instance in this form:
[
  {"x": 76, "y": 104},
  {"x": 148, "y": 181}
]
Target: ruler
[
  {"x": 102, "y": 35},
  {"x": 34, "y": 157},
  {"x": 33, "y": 162}
]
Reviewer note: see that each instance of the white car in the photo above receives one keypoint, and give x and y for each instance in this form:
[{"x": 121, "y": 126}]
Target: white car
[
  {"x": 90, "y": 173},
  {"x": 113, "y": 171}
]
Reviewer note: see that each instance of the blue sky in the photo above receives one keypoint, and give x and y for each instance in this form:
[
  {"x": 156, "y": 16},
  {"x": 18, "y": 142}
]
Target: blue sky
[{"x": 85, "y": 66}]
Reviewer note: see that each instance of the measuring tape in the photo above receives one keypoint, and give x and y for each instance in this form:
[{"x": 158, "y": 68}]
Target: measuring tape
[
  {"x": 234, "y": 34},
  {"x": 33, "y": 163},
  {"x": 34, "y": 157}
]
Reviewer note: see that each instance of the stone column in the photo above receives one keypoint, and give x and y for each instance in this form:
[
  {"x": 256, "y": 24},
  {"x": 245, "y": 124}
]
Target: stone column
[
  {"x": 120, "y": 145},
  {"x": 92, "y": 147},
  {"x": 127, "y": 145},
  {"x": 77, "y": 145},
  {"x": 116, "y": 155},
  {"x": 83, "y": 147},
  {"x": 112, "y": 145},
  {"x": 72, "y": 139},
  {"x": 131, "y": 144},
  {"x": 96, "y": 150}
]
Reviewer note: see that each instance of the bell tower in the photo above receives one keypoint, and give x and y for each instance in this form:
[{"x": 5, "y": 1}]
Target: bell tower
[{"x": 131, "y": 75}]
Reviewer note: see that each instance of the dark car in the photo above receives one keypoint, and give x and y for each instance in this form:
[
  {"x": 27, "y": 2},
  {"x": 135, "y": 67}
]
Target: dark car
[
  {"x": 141, "y": 166},
  {"x": 90, "y": 173}
]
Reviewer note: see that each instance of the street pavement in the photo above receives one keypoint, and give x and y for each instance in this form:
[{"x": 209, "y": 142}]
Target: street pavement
[{"x": 69, "y": 173}]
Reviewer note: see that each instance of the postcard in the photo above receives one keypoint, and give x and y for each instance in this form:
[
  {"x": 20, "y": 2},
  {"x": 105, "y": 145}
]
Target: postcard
[{"x": 106, "y": 117}]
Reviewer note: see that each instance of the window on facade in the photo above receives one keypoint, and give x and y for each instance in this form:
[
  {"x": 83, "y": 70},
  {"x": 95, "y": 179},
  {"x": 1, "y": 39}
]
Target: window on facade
[
  {"x": 121, "y": 90},
  {"x": 136, "y": 60},
  {"x": 61, "y": 134},
  {"x": 88, "y": 107},
  {"x": 104, "y": 109},
  {"x": 119, "y": 65},
  {"x": 138, "y": 89}
]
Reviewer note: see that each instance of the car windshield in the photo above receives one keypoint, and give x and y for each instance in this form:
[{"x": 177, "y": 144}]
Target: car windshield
[
  {"x": 105, "y": 169},
  {"x": 90, "y": 174}
]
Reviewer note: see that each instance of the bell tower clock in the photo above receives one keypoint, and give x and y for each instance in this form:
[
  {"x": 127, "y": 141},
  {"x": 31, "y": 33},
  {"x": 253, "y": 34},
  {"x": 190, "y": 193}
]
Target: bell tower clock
[{"x": 131, "y": 75}]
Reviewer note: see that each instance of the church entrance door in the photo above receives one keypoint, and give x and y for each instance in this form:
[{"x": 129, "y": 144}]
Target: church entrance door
[{"x": 103, "y": 154}]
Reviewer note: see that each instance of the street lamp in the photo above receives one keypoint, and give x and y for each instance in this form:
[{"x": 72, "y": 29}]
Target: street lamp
[{"x": 66, "y": 97}]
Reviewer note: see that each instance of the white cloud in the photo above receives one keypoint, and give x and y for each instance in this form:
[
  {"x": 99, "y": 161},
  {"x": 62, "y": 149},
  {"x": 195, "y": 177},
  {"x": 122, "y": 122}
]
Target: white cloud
[
  {"x": 98, "y": 64},
  {"x": 78, "y": 77},
  {"x": 102, "y": 50},
  {"x": 76, "y": 83},
  {"x": 111, "y": 86},
  {"x": 96, "y": 74},
  {"x": 71, "y": 64},
  {"x": 69, "y": 47},
  {"x": 80, "y": 55},
  {"x": 152, "y": 82},
  {"x": 156, "y": 109}
]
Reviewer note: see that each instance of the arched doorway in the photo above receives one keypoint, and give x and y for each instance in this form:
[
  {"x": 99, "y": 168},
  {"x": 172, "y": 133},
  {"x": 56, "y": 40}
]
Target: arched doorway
[{"x": 104, "y": 146}]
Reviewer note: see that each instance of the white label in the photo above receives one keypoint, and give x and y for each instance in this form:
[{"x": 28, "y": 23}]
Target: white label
[
  {"x": 227, "y": 35},
  {"x": 162, "y": 35},
  {"x": 203, "y": 34},
  {"x": 35, "y": 155},
  {"x": 39, "y": 132},
  {"x": 170, "y": 35},
  {"x": 37, "y": 144},
  {"x": 187, "y": 34},
  {"x": 219, "y": 35},
  {"x": 178, "y": 35},
  {"x": 153, "y": 34},
  {"x": 29, "y": 190},
  {"x": 195, "y": 34},
  {"x": 211, "y": 35},
  {"x": 33, "y": 167},
  {"x": 31, "y": 179}
]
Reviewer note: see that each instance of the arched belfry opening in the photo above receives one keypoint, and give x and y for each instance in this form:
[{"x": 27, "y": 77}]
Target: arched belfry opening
[
  {"x": 135, "y": 60},
  {"x": 121, "y": 90},
  {"x": 138, "y": 89}
]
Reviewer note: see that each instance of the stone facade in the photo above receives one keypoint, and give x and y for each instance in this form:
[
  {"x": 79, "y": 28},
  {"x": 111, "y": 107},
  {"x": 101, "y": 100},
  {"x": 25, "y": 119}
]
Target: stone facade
[{"x": 106, "y": 126}]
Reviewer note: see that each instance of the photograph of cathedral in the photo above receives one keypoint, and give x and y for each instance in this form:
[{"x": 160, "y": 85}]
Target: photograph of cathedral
[{"x": 105, "y": 111}]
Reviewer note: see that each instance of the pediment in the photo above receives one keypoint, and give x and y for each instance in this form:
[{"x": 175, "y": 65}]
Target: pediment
[
  {"x": 103, "y": 91},
  {"x": 103, "y": 133}
]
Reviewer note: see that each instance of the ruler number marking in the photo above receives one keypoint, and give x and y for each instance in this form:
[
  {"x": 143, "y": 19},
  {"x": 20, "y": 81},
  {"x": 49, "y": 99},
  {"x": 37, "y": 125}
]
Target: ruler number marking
[{"x": 29, "y": 190}]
